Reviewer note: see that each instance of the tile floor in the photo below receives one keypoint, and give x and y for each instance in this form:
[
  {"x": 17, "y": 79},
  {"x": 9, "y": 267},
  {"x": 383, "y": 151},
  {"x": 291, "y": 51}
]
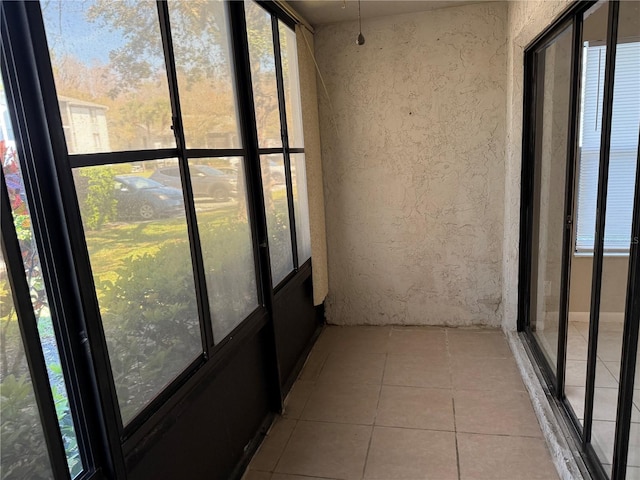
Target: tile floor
[
  {"x": 606, "y": 386},
  {"x": 394, "y": 403}
]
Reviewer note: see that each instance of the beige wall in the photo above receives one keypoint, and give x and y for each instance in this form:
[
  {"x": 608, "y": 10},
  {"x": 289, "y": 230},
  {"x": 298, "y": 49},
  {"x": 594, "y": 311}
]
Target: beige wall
[
  {"x": 614, "y": 284},
  {"x": 413, "y": 160}
]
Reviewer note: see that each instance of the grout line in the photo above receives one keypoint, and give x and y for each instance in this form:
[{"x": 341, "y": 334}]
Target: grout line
[
  {"x": 453, "y": 401},
  {"x": 375, "y": 416},
  {"x": 286, "y": 444}
]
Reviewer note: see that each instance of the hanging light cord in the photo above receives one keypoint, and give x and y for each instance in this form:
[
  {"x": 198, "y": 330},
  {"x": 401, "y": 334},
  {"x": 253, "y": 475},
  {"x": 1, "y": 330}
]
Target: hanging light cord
[{"x": 360, "y": 39}]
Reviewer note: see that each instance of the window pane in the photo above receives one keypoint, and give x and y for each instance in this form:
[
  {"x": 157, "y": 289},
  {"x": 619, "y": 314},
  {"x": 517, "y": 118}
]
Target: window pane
[
  {"x": 110, "y": 74},
  {"x": 23, "y": 453},
  {"x": 11, "y": 346},
  {"x": 594, "y": 32},
  {"x": 138, "y": 245},
  {"x": 549, "y": 191},
  {"x": 278, "y": 228},
  {"x": 221, "y": 203},
  {"x": 263, "y": 75},
  {"x": 202, "y": 49},
  {"x": 301, "y": 206},
  {"x": 291, "y": 80},
  {"x": 625, "y": 128}
]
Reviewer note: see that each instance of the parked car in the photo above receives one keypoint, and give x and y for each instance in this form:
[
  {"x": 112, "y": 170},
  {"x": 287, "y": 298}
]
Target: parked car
[
  {"x": 206, "y": 181},
  {"x": 141, "y": 197}
]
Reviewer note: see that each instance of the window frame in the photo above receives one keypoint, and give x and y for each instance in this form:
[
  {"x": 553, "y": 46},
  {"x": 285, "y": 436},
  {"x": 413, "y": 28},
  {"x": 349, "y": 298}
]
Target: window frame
[{"x": 107, "y": 445}]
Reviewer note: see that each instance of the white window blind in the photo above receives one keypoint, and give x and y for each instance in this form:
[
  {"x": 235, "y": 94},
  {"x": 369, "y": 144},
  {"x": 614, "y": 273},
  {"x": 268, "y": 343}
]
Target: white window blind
[{"x": 625, "y": 125}]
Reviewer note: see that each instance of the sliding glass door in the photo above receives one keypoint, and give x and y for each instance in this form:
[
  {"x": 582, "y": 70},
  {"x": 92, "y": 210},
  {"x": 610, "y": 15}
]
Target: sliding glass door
[{"x": 579, "y": 304}]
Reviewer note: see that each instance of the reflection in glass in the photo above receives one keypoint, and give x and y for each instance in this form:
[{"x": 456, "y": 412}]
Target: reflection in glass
[
  {"x": 549, "y": 190},
  {"x": 225, "y": 237},
  {"x": 278, "y": 227},
  {"x": 24, "y": 452},
  {"x": 594, "y": 35},
  {"x": 263, "y": 75},
  {"x": 110, "y": 76},
  {"x": 136, "y": 234},
  {"x": 301, "y": 206},
  {"x": 202, "y": 49},
  {"x": 11, "y": 344},
  {"x": 625, "y": 129},
  {"x": 291, "y": 80}
]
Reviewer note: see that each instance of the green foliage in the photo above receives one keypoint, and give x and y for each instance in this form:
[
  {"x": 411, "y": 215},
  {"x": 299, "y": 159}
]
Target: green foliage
[
  {"x": 150, "y": 315},
  {"x": 96, "y": 197},
  {"x": 23, "y": 453}
]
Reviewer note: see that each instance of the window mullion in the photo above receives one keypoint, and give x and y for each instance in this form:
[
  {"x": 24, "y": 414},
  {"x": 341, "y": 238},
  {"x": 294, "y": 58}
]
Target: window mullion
[
  {"x": 285, "y": 137},
  {"x": 192, "y": 224}
]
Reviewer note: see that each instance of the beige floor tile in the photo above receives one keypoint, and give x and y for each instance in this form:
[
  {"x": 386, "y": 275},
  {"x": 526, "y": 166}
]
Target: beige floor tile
[
  {"x": 255, "y": 475},
  {"x": 482, "y": 343},
  {"x": 602, "y": 439},
  {"x": 273, "y": 445},
  {"x": 605, "y": 403},
  {"x": 633, "y": 473},
  {"x": 430, "y": 370},
  {"x": 602, "y": 436},
  {"x": 636, "y": 396},
  {"x": 575, "y": 396},
  {"x": 576, "y": 374},
  {"x": 412, "y": 407},
  {"x": 313, "y": 366},
  {"x": 297, "y": 398},
  {"x": 408, "y": 340},
  {"x": 353, "y": 367},
  {"x": 577, "y": 347},
  {"x": 481, "y": 373},
  {"x": 400, "y": 453},
  {"x": 342, "y": 403},
  {"x": 495, "y": 412},
  {"x": 634, "y": 445},
  {"x": 328, "y": 450},
  {"x": 614, "y": 368},
  {"x": 284, "y": 476},
  {"x": 489, "y": 457},
  {"x": 609, "y": 346},
  {"x": 355, "y": 339}
]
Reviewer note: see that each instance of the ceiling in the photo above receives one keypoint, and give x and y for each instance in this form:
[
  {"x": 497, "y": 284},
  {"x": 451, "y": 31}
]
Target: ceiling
[{"x": 319, "y": 12}]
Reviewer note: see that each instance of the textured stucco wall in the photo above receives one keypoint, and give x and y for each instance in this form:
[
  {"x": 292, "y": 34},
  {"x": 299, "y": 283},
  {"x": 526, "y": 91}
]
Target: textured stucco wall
[
  {"x": 413, "y": 158},
  {"x": 525, "y": 21}
]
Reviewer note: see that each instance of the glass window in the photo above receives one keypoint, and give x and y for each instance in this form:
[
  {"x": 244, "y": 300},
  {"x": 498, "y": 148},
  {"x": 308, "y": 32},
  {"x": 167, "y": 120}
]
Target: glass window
[
  {"x": 14, "y": 376},
  {"x": 549, "y": 191},
  {"x": 301, "y": 206},
  {"x": 263, "y": 75},
  {"x": 625, "y": 129},
  {"x": 110, "y": 75},
  {"x": 225, "y": 236},
  {"x": 202, "y": 49},
  {"x": 136, "y": 233},
  {"x": 291, "y": 80},
  {"x": 24, "y": 452},
  {"x": 594, "y": 32},
  {"x": 278, "y": 227}
]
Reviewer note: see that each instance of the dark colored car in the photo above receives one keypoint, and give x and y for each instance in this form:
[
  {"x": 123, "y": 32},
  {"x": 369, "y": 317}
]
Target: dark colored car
[
  {"x": 206, "y": 181},
  {"x": 144, "y": 198}
]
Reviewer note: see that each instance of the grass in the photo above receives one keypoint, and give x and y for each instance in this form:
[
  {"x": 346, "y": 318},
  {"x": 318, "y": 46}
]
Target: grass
[{"x": 110, "y": 246}]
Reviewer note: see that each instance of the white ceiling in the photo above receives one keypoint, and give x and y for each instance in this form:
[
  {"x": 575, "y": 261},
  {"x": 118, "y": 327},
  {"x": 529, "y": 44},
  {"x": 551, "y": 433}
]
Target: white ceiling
[{"x": 319, "y": 12}]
